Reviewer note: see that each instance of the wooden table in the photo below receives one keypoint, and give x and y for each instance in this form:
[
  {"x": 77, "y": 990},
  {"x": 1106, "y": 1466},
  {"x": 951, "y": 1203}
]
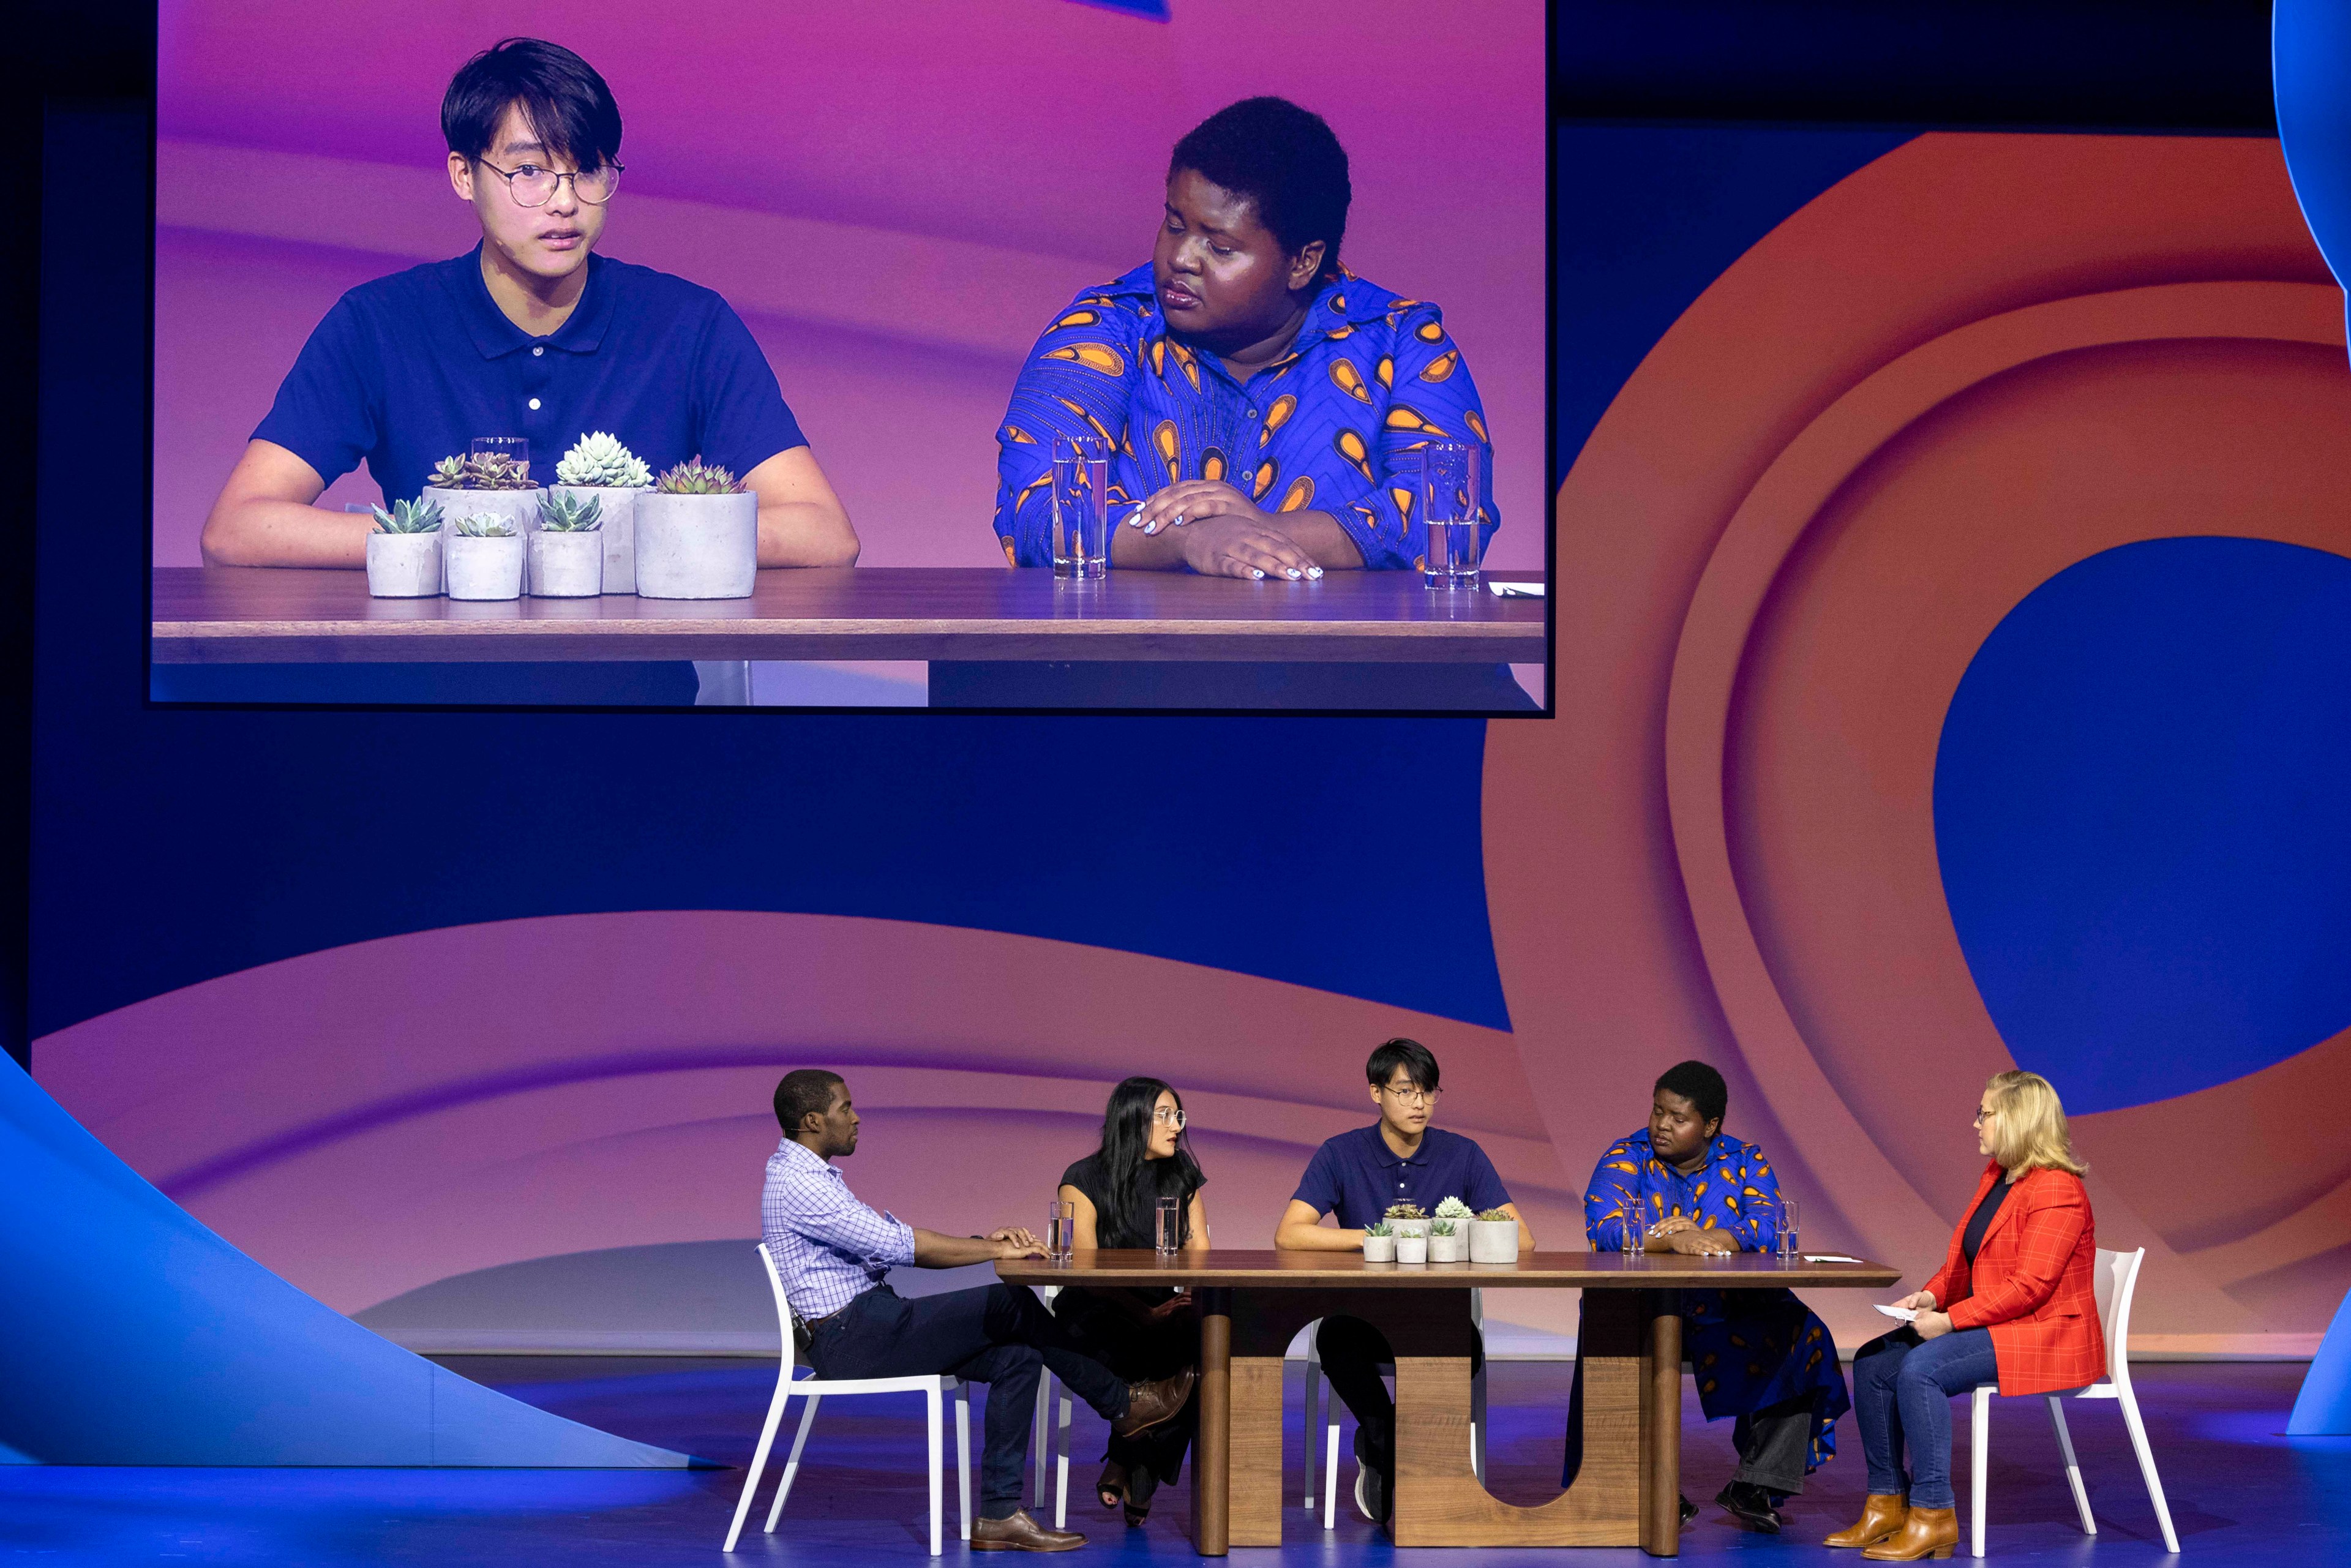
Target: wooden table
[
  {"x": 274, "y": 615},
  {"x": 1251, "y": 1305}
]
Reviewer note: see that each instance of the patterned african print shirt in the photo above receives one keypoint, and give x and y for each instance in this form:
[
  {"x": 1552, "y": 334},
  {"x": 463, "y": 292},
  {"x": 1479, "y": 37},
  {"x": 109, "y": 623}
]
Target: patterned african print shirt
[
  {"x": 1329, "y": 426},
  {"x": 1751, "y": 1349}
]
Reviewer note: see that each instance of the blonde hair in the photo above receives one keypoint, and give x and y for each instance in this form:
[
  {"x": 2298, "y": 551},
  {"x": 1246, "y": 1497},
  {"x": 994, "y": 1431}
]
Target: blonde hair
[{"x": 2028, "y": 1132}]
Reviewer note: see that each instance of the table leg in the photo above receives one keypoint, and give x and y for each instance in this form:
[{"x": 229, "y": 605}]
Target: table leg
[
  {"x": 1212, "y": 1447},
  {"x": 1661, "y": 1433}
]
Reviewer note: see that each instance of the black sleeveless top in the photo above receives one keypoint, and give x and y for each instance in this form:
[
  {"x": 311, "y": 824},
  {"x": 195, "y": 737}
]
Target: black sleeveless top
[
  {"x": 1981, "y": 1220},
  {"x": 1087, "y": 1177}
]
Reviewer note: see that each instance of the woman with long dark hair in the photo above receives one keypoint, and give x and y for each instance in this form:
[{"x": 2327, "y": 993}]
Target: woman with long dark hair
[{"x": 1116, "y": 1190}]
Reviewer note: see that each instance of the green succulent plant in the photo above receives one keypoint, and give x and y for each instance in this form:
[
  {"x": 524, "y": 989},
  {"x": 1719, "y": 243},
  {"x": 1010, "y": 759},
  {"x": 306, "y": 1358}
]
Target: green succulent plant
[
  {"x": 408, "y": 517},
  {"x": 449, "y": 473},
  {"x": 486, "y": 526},
  {"x": 1453, "y": 1208},
  {"x": 496, "y": 471},
  {"x": 561, "y": 512},
  {"x": 1379, "y": 1228},
  {"x": 696, "y": 477},
  {"x": 1491, "y": 1214},
  {"x": 1406, "y": 1211},
  {"x": 599, "y": 461},
  {"x": 1440, "y": 1228}
]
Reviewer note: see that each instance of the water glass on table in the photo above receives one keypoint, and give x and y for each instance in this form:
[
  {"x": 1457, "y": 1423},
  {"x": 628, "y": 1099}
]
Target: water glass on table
[
  {"x": 1060, "y": 1230},
  {"x": 1637, "y": 1236},
  {"x": 1080, "y": 507},
  {"x": 1169, "y": 1231},
  {"x": 1790, "y": 1246},
  {"x": 1449, "y": 488}
]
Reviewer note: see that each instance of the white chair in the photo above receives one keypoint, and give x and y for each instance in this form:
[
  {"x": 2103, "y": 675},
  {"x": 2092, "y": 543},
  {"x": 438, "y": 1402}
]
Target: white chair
[
  {"x": 2117, "y": 1276},
  {"x": 812, "y": 1389},
  {"x": 1329, "y": 1429}
]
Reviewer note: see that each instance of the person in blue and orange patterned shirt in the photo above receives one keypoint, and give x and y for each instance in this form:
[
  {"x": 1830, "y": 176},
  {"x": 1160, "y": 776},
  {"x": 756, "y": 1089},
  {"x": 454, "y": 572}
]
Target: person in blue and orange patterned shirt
[
  {"x": 1759, "y": 1355},
  {"x": 1261, "y": 403}
]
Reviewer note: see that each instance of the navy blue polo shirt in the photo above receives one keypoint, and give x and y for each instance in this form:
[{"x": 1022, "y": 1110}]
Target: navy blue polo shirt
[
  {"x": 1356, "y": 1175},
  {"x": 407, "y": 370}
]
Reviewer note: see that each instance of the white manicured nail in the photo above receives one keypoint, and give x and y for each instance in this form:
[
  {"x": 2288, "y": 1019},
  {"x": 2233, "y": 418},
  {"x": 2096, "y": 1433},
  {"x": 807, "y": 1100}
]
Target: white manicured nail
[{"x": 1293, "y": 574}]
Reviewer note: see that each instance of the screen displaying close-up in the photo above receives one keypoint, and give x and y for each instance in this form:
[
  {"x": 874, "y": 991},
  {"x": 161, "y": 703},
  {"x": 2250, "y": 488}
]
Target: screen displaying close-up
[{"x": 1052, "y": 355}]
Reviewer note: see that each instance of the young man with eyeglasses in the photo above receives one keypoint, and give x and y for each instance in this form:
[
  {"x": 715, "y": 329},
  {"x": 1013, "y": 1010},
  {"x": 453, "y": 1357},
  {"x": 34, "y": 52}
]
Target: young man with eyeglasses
[
  {"x": 1354, "y": 1179},
  {"x": 531, "y": 334}
]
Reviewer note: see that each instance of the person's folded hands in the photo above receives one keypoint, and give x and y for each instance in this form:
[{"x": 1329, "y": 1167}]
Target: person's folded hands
[{"x": 1226, "y": 534}]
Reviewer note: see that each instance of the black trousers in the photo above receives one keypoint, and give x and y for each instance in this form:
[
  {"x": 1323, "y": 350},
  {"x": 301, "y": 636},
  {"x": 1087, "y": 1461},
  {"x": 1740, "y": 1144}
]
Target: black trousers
[
  {"x": 1352, "y": 1353},
  {"x": 996, "y": 1334}
]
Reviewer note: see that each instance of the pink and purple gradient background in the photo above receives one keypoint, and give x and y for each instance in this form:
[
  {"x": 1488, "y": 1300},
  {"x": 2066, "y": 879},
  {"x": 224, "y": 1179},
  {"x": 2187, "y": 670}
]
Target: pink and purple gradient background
[{"x": 896, "y": 198}]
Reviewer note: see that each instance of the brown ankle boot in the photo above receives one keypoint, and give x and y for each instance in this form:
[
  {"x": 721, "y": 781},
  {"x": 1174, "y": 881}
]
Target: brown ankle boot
[
  {"x": 1928, "y": 1532},
  {"x": 1881, "y": 1516}
]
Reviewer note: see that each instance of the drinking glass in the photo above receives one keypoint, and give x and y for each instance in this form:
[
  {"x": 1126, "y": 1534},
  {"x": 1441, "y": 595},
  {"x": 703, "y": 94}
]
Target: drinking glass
[
  {"x": 1060, "y": 1230},
  {"x": 1448, "y": 506},
  {"x": 514, "y": 448},
  {"x": 1790, "y": 1246},
  {"x": 1080, "y": 507},
  {"x": 1170, "y": 1229}
]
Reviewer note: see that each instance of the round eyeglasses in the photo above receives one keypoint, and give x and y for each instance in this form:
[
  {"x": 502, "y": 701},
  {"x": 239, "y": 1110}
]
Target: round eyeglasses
[
  {"x": 1167, "y": 1117},
  {"x": 1414, "y": 1096},
  {"x": 532, "y": 186}
]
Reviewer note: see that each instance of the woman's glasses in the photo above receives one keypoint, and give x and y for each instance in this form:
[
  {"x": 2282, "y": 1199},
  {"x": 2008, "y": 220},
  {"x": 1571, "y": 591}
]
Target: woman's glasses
[
  {"x": 1167, "y": 1117},
  {"x": 532, "y": 186}
]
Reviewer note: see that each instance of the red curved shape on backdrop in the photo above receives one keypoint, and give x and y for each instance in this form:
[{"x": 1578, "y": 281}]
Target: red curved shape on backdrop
[{"x": 1969, "y": 365}]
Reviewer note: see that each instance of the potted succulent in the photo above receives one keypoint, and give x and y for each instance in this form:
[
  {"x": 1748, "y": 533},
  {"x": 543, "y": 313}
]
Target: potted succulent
[
  {"x": 599, "y": 467},
  {"x": 486, "y": 557},
  {"x": 1410, "y": 1223},
  {"x": 492, "y": 485},
  {"x": 566, "y": 549},
  {"x": 1447, "y": 1244},
  {"x": 697, "y": 535},
  {"x": 1493, "y": 1238},
  {"x": 1379, "y": 1242},
  {"x": 403, "y": 553}
]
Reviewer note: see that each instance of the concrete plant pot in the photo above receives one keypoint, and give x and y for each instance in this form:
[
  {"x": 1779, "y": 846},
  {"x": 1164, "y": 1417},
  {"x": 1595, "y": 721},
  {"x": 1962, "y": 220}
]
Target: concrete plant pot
[
  {"x": 617, "y": 529},
  {"x": 1493, "y": 1240},
  {"x": 404, "y": 566},
  {"x": 485, "y": 568},
  {"x": 697, "y": 546},
  {"x": 1379, "y": 1249},
  {"x": 567, "y": 566},
  {"x": 1412, "y": 1249},
  {"x": 1403, "y": 1227},
  {"x": 1447, "y": 1248},
  {"x": 519, "y": 506}
]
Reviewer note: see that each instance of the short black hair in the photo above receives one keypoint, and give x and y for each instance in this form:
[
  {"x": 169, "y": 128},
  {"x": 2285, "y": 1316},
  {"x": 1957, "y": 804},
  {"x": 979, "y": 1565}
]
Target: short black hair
[
  {"x": 1285, "y": 160},
  {"x": 1699, "y": 1084},
  {"x": 567, "y": 104},
  {"x": 804, "y": 1090},
  {"x": 1417, "y": 1060}
]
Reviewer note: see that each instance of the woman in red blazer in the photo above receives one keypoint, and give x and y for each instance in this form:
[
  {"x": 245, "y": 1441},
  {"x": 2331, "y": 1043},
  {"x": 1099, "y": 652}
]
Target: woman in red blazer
[{"x": 2013, "y": 1303}]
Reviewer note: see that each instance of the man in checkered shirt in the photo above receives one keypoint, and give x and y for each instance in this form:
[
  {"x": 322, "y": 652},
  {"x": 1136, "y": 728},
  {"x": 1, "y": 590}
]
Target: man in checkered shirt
[{"x": 832, "y": 1252}]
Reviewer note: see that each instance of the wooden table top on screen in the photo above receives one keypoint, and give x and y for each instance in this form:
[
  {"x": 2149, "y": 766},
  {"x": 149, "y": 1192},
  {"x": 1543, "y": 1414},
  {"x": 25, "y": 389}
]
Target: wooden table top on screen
[
  {"x": 1221, "y": 1269},
  {"x": 276, "y": 615}
]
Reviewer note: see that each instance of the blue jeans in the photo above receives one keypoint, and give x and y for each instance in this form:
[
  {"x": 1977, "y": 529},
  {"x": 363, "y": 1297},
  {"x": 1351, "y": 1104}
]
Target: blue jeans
[{"x": 1902, "y": 1389}]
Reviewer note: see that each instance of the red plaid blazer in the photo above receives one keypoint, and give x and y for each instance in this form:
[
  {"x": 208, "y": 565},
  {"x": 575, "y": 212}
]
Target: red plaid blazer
[{"x": 2032, "y": 1283}]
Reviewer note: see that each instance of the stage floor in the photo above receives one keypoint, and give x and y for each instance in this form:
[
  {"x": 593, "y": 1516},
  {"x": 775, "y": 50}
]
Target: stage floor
[{"x": 2241, "y": 1492}]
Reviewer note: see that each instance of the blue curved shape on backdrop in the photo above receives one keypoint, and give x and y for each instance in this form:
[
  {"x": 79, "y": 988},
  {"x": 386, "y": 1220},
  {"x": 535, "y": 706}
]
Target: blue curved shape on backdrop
[
  {"x": 2310, "y": 69},
  {"x": 2143, "y": 820},
  {"x": 130, "y": 1334}
]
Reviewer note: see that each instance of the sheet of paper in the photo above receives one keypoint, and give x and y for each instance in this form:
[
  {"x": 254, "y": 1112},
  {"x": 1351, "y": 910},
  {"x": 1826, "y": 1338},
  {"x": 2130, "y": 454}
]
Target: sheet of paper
[
  {"x": 1829, "y": 1258},
  {"x": 1907, "y": 1314},
  {"x": 1516, "y": 589}
]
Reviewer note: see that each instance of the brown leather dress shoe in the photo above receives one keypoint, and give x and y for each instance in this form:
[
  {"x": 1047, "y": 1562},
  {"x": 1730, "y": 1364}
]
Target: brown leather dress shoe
[
  {"x": 1021, "y": 1533},
  {"x": 1881, "y": 1516},
  {"x": 1928, "y": 1532},
  {"x": 1157, "y": 1402}
]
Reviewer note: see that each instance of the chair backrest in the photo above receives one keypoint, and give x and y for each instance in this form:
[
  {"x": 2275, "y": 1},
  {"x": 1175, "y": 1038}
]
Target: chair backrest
[
  {"x": 783, "y": 1307},
  {"x": 2116, "y": 1277}
]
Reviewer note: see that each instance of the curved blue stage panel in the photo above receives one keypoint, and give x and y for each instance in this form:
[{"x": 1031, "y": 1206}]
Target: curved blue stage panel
[
  {"x": 2310, "y": 65},
  {"x": 2323, "y": 1408},
  {"x": 130, "y": 1334}
]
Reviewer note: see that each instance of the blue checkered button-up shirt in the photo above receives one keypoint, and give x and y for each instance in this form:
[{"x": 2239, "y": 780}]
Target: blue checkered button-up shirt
[{"x": 829, "y": 1248}]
